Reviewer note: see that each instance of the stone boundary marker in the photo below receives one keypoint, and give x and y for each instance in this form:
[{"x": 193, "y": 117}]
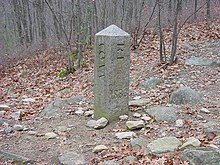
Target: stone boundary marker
[{"x": 112, "y": 67}]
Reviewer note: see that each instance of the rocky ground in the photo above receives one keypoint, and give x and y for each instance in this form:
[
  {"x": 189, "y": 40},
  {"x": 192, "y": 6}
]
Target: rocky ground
[{"x": 174, "y": 115}]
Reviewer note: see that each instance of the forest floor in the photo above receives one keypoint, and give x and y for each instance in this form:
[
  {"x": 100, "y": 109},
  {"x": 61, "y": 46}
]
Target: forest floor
[{"x": 36, "y": 78}]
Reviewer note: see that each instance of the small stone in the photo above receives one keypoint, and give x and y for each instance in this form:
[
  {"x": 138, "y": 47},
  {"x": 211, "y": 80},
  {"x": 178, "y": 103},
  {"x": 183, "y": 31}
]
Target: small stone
[
  {"x": 28, "y": 100},
  {"x": 129, "y": 159},
  {"x": 4, "y": 107},
  {"x": 91, "y": 123},
  {"x": 137, "y": 98},
  {"x": 17, "y": 115},
  {"x": 123, "y": 117},
  {"x": 62, "y": 129},
  {"x": 99, "y": 148},
  {"x": 140, "y": 102},
  {"x": 72, "y": 158},
  {"x": 2, "y": 113},
  {"x": 89, "y": 113},
  {"x": 137, "y": 115},
  {"x": 111, "y": 162},
  {"x": 179, "y": 123},
  {"x": 162, "y": 145},
  {"x": 18, "y": 127},
  {"x": 50, "y": 135},
  {"x": 32, "y": 132},
  {"x": 204, "y": 110},
  {"x": 190, "y": 142},
  {"x": 145, "y": 118},
  {"x": 132, "y": 125},
  {"x": 101, "y": 123},
  {"x": 125, "y": 135},
  {"x": 79, "y": 112},
  {"x": 8, "y": 130}
]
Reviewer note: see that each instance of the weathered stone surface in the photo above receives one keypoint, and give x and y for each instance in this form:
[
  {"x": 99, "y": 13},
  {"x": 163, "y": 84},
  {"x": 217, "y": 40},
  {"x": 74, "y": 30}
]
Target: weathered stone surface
[
  {"x": 161, "y": 113},
  {"x": 101, "y": 123},
  {"x": 89, "y": 113},
  {"x": 18, "y": 127},
  {"x": 139, "y": 102},
  {"x": 129, "y": 159},
  {"x": 198, "y": 61},
  {"x": 2, "y": 121},
  {"x": 50, "y": 135},
  {"x": 151, "y": 82},
  {"x": 112, "y": 67},
  {"x": 72, "y": 158},
  {"x": 18, "y": 159},
  {"x": 99, "y": 148},
  {"x": 111, "y": 162},
  {"x": 8, "y": 130},
  {"x": 62, "y": 128},
  {"x": 79, "y": 112},
  {"x": 201, "y": 156},
  {"x": 139, "y": 142},
  {"x": 16, "y": 115},
  {"x": 55, "y": 108},
  {"x": 91, "y": 123},
  {"x": 137, "y": 115},
  {"x": 190, "y": 142},
  {"x": 185, "y": 95},
  {"x": 123, "y": 117},
  {"x": 132, "y": 125},
  {"x": 125, "y": 135},
  {"x": 205, "y": 110},
  {"x": 165, "y": 144},
  {"x": 4, "y": 107},
  {"x": 179, "y": 123}
]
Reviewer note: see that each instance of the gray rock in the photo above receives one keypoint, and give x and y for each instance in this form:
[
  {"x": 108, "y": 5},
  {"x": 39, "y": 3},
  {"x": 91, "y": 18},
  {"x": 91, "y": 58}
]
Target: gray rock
[
  {"x": 17, "y": 115},
  {"x": 4, "y": 107},
  {"x": 99, "y": 148},
  {"x": 179, "y": 123},
  {"x": 129, "y": 159},
  {"x": 101, "y": 123},
  {"x": 185, "y": 95},
  {"x": 32, "y": 132},
  {"x": 140, "y": 102},
  {"x": 8, "y": 130},
  {"x": 145, "y": 118},
  {"x": 132, "y": 125},
  {"x": 162, "y": 145},
  {"x": 55, "y": 108},
  {"x": 79, "y": 112},
  {"x": 18, "y": 127},
  {"x": 151, "y": 82},
  {"x": 91, "y": 123},
  {"x": 123, "y": 117},
  {"x": 27, "y": 100},
  {"x": 72, "y": 158},
  {"x": 2, "y": 121},
  {"x": 2, "y": 113},
  {"x": 62, "y": 128},
  {"x": 139, "y": 142},
  {"x": 111, "y": 162},
  {"x": 204, "y": 110},
  {"x": 89, "y": 113},
  {"x": 190, "y": 142},
  {"x": 198, "y": 61},
  {"x": 125, "y": 135},
  {"x": 17, "y": 158},
  {"x": 137, "y": 115},
  {"x": 201, "y": 156},
  {"x": 161, "y": 113},
  {"x": 50, "y": 135}
]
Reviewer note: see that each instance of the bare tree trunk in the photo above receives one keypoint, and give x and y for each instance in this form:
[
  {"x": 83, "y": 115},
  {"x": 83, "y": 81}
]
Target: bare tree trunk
[{"x": 175, "y": 31}]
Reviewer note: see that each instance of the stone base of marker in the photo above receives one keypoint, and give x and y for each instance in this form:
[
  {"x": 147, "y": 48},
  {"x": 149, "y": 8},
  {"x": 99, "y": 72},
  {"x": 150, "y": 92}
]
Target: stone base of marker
[{"x": 112, "y": 68}]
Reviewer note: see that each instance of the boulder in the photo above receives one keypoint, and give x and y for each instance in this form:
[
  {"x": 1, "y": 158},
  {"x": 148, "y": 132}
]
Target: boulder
[
  {"x": 139, "y": 142},
  {"x": 71, "y": 158},
  {"x": 161, "y": 113},
  {"x": 185, "y": 95},
  {"x": 198, "y": 61},
  {"x": 151, "y": 82},
  {"x": 190, "y": 142},
  {"x": 201, "y": 156},
  {"x": 162, "y": 145}
]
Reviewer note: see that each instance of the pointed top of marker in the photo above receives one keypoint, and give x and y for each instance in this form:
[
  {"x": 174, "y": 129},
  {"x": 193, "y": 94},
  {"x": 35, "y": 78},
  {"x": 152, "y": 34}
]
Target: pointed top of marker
[{"x": 112, "y": 30}]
